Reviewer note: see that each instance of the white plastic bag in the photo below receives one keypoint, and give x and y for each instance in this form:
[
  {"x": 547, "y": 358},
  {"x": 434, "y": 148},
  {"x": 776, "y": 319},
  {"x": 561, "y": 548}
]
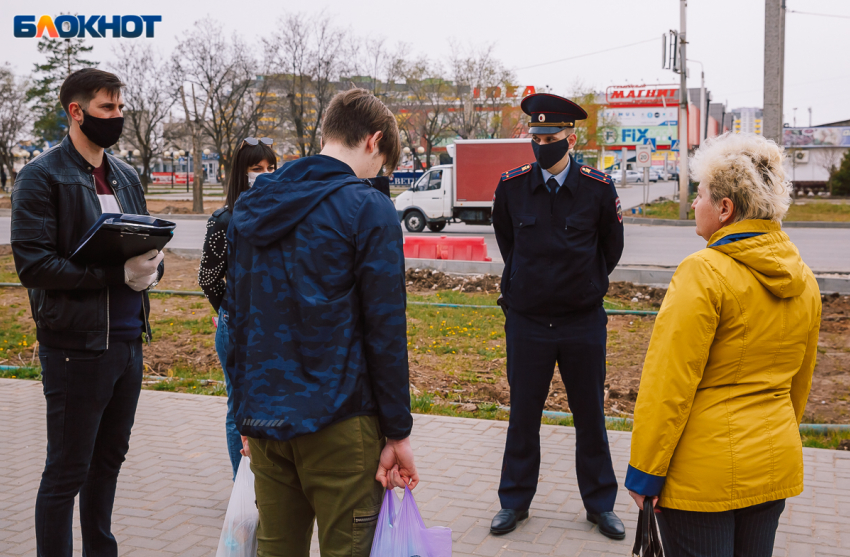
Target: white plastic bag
[{"x": 239, "y": 535}]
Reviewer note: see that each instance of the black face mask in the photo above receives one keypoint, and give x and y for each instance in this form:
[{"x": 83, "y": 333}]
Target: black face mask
[
  {"x": 103, "y": 132},
  {"x": 549, "y": 154}
]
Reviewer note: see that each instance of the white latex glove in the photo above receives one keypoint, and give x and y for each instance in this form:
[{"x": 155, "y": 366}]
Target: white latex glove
[
  {"x": 142, "y": 283},
  {"x": 140, "y": 271}
]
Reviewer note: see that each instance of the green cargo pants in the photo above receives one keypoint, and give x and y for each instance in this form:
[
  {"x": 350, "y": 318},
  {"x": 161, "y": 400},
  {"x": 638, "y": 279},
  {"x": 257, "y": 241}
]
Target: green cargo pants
[{"x": 329, "y": 477}]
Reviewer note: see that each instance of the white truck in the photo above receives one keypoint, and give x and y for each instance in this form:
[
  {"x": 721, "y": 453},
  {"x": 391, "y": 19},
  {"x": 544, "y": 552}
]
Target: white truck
[{"x": 461, "y": 191}]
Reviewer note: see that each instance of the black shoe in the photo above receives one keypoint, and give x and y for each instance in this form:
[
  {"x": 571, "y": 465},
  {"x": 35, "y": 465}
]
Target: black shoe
[
  {"x": 609, "y": 525},
  {"x": 506, "y": 520}
]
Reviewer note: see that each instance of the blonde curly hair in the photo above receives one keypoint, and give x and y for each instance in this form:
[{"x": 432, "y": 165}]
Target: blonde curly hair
[{"x": 746, "y": 168}]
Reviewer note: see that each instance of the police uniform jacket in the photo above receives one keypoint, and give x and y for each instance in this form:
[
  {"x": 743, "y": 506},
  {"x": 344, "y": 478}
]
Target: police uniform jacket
[{"x": 557, "y": 256}]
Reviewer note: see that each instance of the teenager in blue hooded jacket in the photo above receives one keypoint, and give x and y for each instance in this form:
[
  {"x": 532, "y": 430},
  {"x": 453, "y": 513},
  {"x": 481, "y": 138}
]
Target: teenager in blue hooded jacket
[{"x": 318, "y": 357}]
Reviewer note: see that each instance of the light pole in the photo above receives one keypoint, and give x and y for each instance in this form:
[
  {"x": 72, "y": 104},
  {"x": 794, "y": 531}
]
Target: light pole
[
  {"x": 206, "y": 154},
  {"x": 684, "y": 183},
  {"x": 170, "y": 154}
]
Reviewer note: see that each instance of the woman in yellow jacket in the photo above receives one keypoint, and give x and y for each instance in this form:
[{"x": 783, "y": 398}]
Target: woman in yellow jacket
[{"x": 716, "y": 437}]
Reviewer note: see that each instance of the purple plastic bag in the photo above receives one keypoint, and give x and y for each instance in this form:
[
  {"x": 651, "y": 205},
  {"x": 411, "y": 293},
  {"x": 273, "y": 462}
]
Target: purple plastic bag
[{"x": 401, "y": 532}]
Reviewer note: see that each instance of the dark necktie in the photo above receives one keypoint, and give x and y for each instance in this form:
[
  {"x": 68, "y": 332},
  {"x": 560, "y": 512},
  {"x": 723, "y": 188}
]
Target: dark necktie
[{"x": 552, "y": 184}]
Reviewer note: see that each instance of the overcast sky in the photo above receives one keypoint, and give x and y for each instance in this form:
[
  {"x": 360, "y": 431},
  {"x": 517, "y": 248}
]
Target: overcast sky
[{"x": 727, "y": 36}]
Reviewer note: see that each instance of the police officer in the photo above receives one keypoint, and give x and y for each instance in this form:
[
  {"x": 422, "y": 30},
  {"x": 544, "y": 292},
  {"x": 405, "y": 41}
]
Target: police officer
[{"x": 560, "y": 231}]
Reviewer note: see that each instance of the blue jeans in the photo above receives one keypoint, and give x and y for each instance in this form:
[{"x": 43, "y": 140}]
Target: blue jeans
[{"x": 234, "y": 440}]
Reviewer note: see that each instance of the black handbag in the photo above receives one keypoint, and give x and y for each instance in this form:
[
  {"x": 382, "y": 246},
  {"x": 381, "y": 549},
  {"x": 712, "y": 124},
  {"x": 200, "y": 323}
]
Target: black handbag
[{"x": 648, "y": 536}]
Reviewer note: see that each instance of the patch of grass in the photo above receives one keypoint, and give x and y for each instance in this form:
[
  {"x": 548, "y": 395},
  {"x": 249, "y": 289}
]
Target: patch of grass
[
  {"x": 189, "y": 385},
  {"x": 815, "y": 210},
  {"x": 165, "y": 325},
  {"x": 7, "y": 269},
  {"x": 432, "y": 404},
  {"x": 825, "y": 440},
  {"x": 164, "y": 386},
  {"x": 22, "y": 373},
  {"x": 450, "y": 331},
  {"x": 17, "y": 335},
  {"x": 804, "y": 210},
  {"x": 662, "y": 210},
  {"x": 447, "y": 331}
]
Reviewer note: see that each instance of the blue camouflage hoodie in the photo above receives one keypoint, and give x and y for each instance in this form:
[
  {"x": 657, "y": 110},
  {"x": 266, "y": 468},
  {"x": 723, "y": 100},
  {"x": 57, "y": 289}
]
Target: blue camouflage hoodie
[{"x": 316, "y": 304}]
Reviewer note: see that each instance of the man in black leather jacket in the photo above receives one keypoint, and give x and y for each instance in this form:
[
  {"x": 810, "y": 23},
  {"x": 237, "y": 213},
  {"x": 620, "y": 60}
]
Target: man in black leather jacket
[{"x": 90, "y": 319}]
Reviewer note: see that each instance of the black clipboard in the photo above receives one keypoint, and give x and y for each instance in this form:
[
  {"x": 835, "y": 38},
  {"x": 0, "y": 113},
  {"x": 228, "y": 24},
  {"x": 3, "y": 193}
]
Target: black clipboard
[{"x": 117, "y": 237}]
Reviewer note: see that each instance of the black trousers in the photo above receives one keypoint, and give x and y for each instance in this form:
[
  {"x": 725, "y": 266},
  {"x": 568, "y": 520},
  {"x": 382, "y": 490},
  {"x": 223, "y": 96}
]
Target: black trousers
[
  {"x": 577, "y": 345},
  {"x": 91, "y": 404},
  {"x": 747, "y": 532}
]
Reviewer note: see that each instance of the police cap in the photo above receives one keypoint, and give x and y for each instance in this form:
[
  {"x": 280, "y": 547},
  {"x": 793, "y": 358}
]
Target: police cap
[{"x": 551, "y": 113}]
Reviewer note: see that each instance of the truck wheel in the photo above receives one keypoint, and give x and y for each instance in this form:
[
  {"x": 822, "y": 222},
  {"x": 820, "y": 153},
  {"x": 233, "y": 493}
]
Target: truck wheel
[
  {"x": 436, "y": 226},
  {"x": 414, "y": 222}
]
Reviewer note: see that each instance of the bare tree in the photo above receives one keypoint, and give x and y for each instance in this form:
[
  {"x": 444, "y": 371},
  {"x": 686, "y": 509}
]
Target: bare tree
[
  {"x": 374, "y": 59},
  {"x": 483, "y": 87},
  {"x": 14, "y": 116},
  {"x": 224, "y": 73},
  {"x": 828, "y": 159},
  {"x": 424, "y": 111},
  {"x": 195, "y": 125},
  {"x": 309, "y": 55},
  {"x": 590, "y": 132},
  {"x": 148, "y": 101}
]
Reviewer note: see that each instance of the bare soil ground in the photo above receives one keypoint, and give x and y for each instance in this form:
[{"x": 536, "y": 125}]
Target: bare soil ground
[
  {"x": 174, "y": 207},
  {"x": 184, "y": 343}
]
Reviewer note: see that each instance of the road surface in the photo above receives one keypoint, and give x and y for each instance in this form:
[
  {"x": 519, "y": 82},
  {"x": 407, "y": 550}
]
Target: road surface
[{"x": 824, "y": 249}]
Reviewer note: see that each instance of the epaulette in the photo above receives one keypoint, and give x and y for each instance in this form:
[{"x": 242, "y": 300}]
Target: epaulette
[
  {"x": 596, "y": 174},
  {"x": 518, "y": 171}
]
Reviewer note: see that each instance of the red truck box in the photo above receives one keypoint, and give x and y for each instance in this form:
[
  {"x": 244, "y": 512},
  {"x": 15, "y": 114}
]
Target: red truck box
[{"x": 479, "y": 165}]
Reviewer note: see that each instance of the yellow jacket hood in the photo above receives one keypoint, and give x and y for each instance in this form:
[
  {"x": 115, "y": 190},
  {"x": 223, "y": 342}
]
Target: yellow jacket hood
[{"x": 767, "y": 252}]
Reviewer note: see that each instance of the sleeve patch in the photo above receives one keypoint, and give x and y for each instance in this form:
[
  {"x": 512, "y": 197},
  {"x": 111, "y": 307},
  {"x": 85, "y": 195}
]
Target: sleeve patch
[
  {"x": 518, "y": 171},
  {"x": 619, "y": 209},
  {"x": 591, "y": 172}
]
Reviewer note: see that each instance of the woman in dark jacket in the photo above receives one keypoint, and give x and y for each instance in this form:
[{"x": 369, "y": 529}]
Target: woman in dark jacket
[{"x": 254, "y": 157}]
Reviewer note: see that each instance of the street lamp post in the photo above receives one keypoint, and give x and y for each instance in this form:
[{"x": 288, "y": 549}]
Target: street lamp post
[
  {"x": 207, "y": 153},
  {"x": 170, "y": 155},
  {"x": 183, "y": 154}
]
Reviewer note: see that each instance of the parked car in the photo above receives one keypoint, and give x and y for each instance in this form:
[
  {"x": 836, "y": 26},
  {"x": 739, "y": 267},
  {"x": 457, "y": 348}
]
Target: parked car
[
  {"x": 656, "y": 174},
  {"x": 631, "y": 176}
]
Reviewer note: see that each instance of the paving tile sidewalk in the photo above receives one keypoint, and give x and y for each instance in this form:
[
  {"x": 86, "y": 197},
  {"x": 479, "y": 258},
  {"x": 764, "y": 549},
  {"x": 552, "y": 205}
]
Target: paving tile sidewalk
[{"x": 173, "y": 489}]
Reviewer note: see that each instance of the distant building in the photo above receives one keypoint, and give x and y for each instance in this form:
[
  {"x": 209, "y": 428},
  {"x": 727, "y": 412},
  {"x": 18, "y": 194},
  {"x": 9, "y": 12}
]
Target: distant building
[
  {"x": 815, "y": 152},
  {"x": 748, "y": 120}
]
